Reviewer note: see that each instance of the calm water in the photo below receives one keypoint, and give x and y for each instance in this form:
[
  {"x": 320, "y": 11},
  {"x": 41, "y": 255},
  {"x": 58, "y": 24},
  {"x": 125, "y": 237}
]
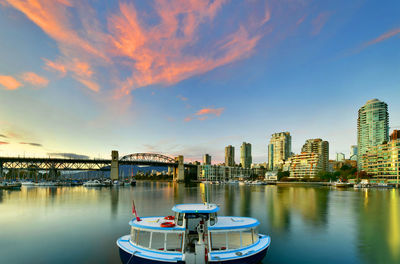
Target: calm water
[{"x": 307, "y": 224}]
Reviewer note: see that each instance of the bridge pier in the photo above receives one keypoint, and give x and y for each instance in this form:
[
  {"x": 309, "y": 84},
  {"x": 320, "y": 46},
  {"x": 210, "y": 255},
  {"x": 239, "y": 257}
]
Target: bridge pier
[
  {"x": 114, "y": 172},
  {"x": 179, "y": 171}
]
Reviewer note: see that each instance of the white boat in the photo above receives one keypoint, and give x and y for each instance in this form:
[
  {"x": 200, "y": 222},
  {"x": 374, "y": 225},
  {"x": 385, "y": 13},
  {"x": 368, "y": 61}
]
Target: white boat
[
  {"x": 28, "y": 183},
  {"x": 10, "y": 185},
  {"x": 45, "y": 183},
  {"x": 194, "y": 235},
  {"x": 340, "y": 184},
  {"x": 94, "y": 183}
]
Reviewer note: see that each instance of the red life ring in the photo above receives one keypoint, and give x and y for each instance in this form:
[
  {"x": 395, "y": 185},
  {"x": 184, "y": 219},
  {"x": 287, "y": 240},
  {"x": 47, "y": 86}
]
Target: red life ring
[
  {"x": 170, "y": 217},
  {"x": 167, "y": 224}
]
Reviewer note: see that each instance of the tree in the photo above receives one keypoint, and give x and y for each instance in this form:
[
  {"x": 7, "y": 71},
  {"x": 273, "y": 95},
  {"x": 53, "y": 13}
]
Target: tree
[{"x": 282, "y": 174}]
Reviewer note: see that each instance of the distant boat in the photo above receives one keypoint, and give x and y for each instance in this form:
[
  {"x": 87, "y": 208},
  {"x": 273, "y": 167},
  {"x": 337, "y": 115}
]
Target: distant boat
[
  {"x": 46, "y": 183},
  {"x": 94, "y": 183},
  {"x": 133, "y": 182},
  {"x": 340, "y": 184},
  {"x": 10, "y": 185},
  {"x": 28, "y": 183}
]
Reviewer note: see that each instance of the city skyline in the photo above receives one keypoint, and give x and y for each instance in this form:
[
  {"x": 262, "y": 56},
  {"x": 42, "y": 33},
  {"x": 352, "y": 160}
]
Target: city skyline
[{"x": 82, "y": 94}]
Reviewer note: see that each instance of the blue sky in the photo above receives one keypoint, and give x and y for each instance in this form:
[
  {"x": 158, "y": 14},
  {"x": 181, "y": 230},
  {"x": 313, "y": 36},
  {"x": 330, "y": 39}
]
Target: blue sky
[{"x": 190, "y": 77}]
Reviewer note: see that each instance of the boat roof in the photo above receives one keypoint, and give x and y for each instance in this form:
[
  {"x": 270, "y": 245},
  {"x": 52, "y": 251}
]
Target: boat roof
[
  {"x": 195, "y": 208},
  {"x": 234, "y": 222},
  {"x": 154, "y": 223}
]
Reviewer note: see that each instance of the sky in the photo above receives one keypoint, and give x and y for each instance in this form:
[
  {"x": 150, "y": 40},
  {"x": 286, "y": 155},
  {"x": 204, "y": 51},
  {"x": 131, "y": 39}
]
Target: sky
[{"x": 188, "y": 77}]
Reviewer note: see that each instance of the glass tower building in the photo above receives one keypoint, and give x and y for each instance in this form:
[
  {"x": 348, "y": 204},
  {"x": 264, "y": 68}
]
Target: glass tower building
[{"x": 372, "y": 126}]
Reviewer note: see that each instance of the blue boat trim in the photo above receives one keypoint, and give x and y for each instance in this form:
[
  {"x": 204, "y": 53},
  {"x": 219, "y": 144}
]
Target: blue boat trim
[
  {"x": 216, "y": 256},
  {"x": 178, "y": 210},
  {"x": 142, "y": 255},
  {"x": 216, "y": 227}
]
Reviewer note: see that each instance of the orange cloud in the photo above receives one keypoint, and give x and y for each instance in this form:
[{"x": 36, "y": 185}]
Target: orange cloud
[
  {"x": 383, "y": 37},
  {"x": 34, "y": 79},
  {"x": 3, "y": 143},
  {"x": 157, "y": 55},
  {"x": 319, "y": 22},
  {"x": 9, "y": 82},
  {"x": 55, "y": 66},
  {"x": 90, "y": 84},
  {"x": 206, "y": 111}
]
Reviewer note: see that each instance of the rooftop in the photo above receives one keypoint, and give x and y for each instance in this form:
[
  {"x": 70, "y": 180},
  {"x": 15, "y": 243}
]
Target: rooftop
[{"x": 195, "y": 208}]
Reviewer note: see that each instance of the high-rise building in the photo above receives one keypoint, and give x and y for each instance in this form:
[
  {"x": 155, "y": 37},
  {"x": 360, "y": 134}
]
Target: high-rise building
[
  {"x": 245, "y": 155},
  {"x": 206, "y": 159},
  {"x": 279, "y": 149},
  {"x": 353, "y": 152},
  {"x": 340, "y": 157},
  {"x": 382, "y": 162},
  {"x": 372, "y": 126},
  {"x": 230, "y": 156},
  {"x": 320, "y": 147}
]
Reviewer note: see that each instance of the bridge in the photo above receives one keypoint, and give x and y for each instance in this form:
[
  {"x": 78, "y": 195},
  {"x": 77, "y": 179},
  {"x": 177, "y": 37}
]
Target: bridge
[{"x": 56, "y": 164}]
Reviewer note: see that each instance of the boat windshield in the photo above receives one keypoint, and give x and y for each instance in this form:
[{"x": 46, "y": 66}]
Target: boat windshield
[
  {"x": 157, "y": 240},
  {"x": 228, "y": 239}
]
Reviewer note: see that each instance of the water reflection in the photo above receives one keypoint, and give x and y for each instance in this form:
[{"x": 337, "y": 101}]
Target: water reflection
[
  {"x": 379, "y": 226},
  {"x": 307, "y": 224}
]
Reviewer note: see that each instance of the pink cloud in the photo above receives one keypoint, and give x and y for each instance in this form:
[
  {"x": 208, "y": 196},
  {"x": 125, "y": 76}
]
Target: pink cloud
[
  {"x": 383, "y": 37},
  {"x": 182, "y": 97},
  {"x": 206, "y": 111},
  {"x": 4, "y": 143},
  {"x": 319, "y": 22},
  {"x": 9, "y": 82},
  {"x": 34, "y": 79}
]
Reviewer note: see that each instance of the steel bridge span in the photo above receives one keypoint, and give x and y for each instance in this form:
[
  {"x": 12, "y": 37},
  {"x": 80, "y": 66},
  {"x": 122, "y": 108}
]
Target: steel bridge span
[{"x": 149, "y": 159}]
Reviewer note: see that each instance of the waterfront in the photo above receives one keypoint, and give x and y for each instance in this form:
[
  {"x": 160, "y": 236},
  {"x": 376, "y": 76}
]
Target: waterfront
[{"x": 307, "y": 224}]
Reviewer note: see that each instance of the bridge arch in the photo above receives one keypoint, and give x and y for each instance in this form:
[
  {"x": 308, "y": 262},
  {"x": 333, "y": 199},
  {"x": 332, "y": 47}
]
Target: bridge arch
[{"x": 148, "y": 157}]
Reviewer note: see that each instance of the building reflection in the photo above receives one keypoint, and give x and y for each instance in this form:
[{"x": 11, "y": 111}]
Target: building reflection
[
  {"x": 114, "y": 197},
  {"x": 379, "y": 226},
  {"x": 311, "y": 204}
]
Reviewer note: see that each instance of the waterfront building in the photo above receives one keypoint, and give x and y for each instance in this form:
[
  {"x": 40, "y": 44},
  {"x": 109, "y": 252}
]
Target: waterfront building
[
  {"x": 279, "y": 150},
  {"x": 245, "y": 155},
  {"x": 206, "y": 159},
  {"x": 340, "y": 157},
  {"x": 372, "y": 126},
  {"x": 320, "y": 147},
  {"x": 382, "y": 162},
  {"x": 223, "y": 173},
  {"x": 353, "y": 152},
  {"x": 230, "y": 156},
  {"x": 305, "y": 165}
]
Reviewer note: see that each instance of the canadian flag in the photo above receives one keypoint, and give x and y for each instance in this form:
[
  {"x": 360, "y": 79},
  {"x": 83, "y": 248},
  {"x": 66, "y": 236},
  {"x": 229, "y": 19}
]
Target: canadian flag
[{"x": 134, "y": 211}]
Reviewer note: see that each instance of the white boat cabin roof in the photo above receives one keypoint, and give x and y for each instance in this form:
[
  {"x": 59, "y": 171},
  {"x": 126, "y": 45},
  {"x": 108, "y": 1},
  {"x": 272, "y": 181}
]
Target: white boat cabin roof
[
  {"x": 234, "y": 222},
  {"x": 195, "y": 208},
  {"x": 154, "y": 223}
]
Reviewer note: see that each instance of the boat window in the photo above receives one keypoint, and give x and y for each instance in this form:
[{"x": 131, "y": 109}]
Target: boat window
[
  {"x": 213, "y": 219},
  {"x": 157, "y": 241},
  {"x": 174, "y": 241},
  {"x": 247, "y": 238},
  {"x": 233, "y": 240},
  {"x": 179, "y": 220},
  {"x": 218, "y": 240},
  {"x": 255, "y": 235},
  {"x": 134, "y": 234},
  {"x": 143, "y": 238}
]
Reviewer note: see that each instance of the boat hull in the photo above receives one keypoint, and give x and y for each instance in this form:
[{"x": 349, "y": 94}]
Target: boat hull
[
  {"x": 128, "y": 258},
  {"x": 253, "y": 259}
]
